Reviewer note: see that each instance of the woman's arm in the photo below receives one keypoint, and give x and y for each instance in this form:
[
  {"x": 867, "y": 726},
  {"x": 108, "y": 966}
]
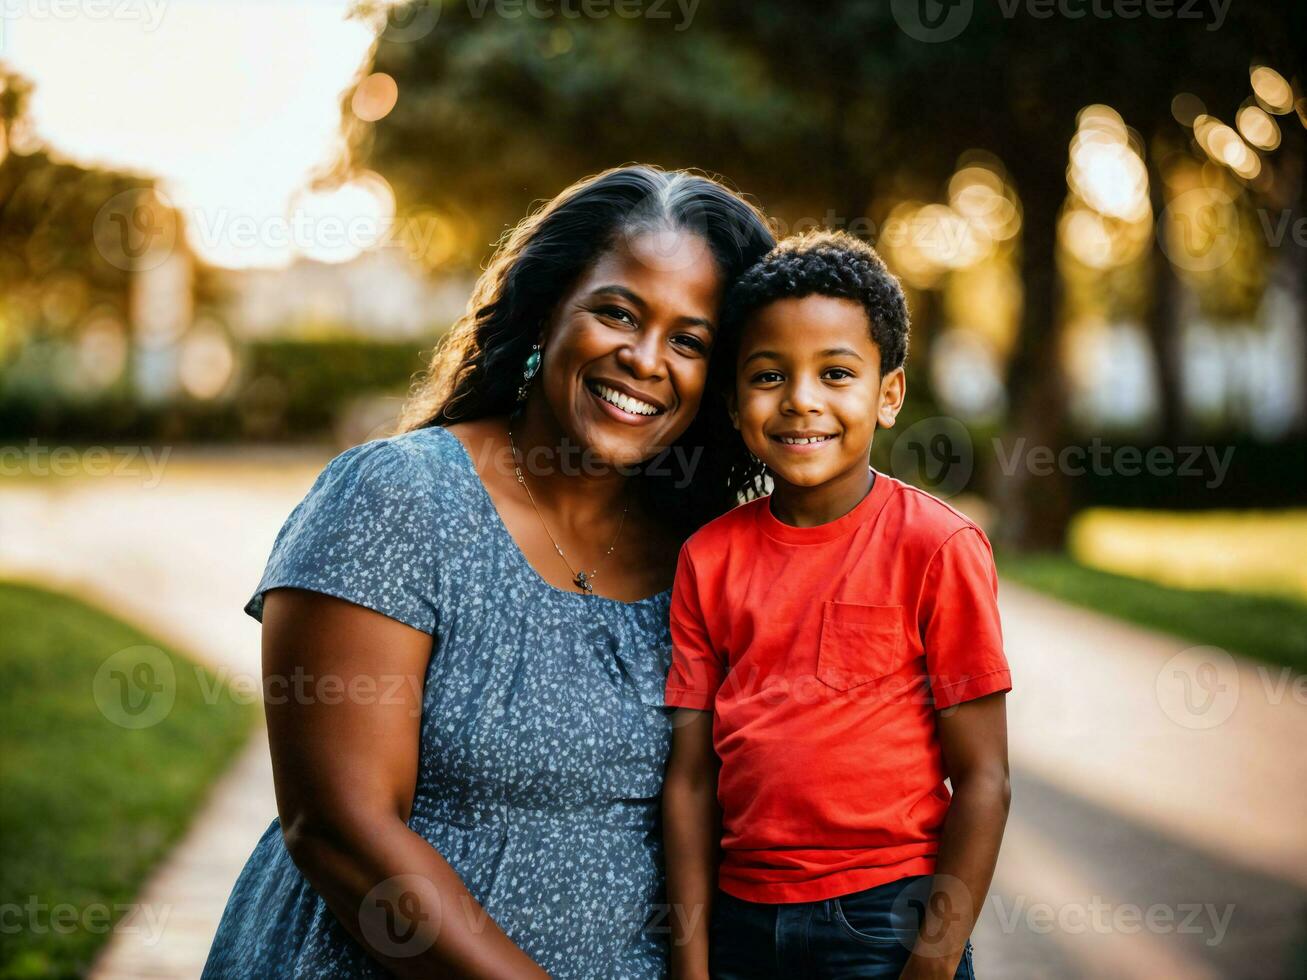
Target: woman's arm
[
  {"x": 343, "y": 697},
  {"x": 973, "y": 736},
  {"x": 692, "y": 835}
]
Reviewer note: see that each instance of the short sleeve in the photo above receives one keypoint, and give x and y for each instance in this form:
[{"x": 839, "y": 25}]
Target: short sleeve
[
  {"x": 959, "y": 621},
  {"x": 362, "y": 533},
  {"x": 697, "y": 669}
]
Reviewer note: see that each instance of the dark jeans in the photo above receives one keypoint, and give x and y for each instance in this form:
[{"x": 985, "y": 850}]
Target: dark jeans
[{"x": 866, "y": 934}]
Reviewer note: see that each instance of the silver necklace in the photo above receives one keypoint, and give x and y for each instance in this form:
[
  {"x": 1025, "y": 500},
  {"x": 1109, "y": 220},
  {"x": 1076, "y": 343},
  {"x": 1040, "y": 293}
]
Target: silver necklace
[{"x": 582, "y": 580}]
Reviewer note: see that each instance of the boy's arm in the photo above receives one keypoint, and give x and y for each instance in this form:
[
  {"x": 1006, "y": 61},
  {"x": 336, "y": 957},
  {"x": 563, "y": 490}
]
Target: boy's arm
[
  {"x": 692, "y": 834},
  {"x": 973, "y": 737}
]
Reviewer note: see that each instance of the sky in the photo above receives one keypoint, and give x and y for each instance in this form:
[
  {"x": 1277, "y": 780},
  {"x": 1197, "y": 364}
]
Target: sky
[{"x": 230, "y": 103}]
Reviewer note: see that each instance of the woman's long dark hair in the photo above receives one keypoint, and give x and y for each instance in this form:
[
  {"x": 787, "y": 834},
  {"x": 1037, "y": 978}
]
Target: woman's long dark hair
[{"x": 475, "y": 372}]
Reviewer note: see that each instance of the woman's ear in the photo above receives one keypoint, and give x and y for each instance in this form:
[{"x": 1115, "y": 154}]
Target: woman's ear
[
  {"x": 545, "y": 330},
  {"x": 733, "y": 408}
]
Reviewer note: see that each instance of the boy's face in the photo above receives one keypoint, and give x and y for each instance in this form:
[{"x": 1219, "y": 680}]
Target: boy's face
[{"x": 808, "y": 390}]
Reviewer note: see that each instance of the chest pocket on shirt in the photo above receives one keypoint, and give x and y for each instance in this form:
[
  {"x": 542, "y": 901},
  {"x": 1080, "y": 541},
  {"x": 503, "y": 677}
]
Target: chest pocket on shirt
[{"x": 858, "y": 643}]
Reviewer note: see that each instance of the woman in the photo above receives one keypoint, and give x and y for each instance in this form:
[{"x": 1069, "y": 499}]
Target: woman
[{"x": 465, "y": 625}]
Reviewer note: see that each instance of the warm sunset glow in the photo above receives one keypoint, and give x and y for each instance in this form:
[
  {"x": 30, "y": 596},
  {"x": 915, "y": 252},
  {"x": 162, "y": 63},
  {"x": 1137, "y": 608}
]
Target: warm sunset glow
[
  {"x": 369, "y": 201},
  {"x": 232, "y": 120}
]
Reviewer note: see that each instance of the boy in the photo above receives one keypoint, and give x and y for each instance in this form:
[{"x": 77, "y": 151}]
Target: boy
[{"x": 836, "y": 656}]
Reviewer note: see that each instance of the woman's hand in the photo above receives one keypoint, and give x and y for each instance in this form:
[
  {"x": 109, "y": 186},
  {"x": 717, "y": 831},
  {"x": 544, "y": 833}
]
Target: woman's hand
[{"x": 343, "y": 697}]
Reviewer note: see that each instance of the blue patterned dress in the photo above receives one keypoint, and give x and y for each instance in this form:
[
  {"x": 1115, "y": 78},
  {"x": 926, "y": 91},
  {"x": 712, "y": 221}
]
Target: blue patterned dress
[{"x": 543, "y": 733}]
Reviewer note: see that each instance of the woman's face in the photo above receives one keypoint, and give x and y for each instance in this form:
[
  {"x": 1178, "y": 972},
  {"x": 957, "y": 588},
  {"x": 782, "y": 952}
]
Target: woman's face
[{"x": 626, "y": 353}]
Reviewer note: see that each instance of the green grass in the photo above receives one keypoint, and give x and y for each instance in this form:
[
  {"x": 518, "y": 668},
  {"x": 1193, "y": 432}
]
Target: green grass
[
  {"x": 87, "y": 806},
  {"x": 1268, "y": 628}
]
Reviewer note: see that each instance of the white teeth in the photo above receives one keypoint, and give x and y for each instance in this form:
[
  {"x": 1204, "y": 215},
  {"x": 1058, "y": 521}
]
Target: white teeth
[
  {"x": 625, "y": 402},
  {"x": 789, "y": 441}
]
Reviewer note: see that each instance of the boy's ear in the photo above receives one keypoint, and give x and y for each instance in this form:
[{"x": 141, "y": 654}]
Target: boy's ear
[{"x": 893, "y": 390}]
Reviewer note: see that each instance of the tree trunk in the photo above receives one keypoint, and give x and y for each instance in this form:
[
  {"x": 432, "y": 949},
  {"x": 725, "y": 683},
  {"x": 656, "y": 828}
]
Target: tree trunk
[
  {"x": 924, "y": 315},
  {"x": 1034, "y": 505},
  {"x": 1163, "y": 330},
  {"x": 1299, "y": 278}
]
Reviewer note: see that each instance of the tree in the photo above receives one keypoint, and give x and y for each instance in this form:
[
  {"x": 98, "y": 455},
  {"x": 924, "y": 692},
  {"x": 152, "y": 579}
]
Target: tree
[
  {"x": 813, "y": 111},
  {"x": 48, "y": 250}
]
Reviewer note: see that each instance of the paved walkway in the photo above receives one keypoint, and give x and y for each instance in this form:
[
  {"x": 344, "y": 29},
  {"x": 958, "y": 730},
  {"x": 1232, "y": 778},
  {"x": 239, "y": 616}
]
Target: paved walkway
[
  {"x": 1160, "y": 796},
  {"x": 1161, "y": 837}
]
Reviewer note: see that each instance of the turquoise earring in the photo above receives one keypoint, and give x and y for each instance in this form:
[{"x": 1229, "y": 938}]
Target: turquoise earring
[{"x": 529, "y": 371}]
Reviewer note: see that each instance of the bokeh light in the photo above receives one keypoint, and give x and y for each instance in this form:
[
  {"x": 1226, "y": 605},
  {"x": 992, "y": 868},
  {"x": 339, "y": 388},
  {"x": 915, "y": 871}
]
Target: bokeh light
[
  {"x": 1272, "y": 90},
  {"x": 1258, "y": 127},
  {"x": 207, "y": 361},
  {"x": 1186, "y": 107},
  {"x": 925, "y": 240},
  {"x": 1108, "y": 218},
  {"x": 341, "y": 222},
  {"x": 375, "y": 96}
]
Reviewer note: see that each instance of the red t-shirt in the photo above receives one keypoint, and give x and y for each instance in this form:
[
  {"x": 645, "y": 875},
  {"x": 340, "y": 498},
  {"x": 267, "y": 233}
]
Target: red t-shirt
[{"x": 824, "y": 653}]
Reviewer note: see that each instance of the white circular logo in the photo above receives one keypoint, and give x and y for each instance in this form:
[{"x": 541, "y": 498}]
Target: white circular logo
[
  {"x": 135, "y": 230},
  {"x": 1199, "y": 229},
  {"x": 410, "y": 21},
  {"x": 945, "y": 897},
  {"x": 932, "y": 21},
  {"x": 400, "y": 917},
  {"x": 1199, "y": 687},
  {"x": 136, "y": 687},
  {"x": 935, "y": 454}
]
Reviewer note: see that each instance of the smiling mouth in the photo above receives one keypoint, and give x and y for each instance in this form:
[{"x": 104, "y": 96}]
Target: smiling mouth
[
  {"x": 621, "y": 400},
  {"x": 802, "y": 440}
]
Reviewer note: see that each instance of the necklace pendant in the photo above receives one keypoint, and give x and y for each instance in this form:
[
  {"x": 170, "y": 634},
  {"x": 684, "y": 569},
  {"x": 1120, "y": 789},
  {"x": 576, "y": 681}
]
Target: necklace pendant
[{"x": 582, "y": 581}]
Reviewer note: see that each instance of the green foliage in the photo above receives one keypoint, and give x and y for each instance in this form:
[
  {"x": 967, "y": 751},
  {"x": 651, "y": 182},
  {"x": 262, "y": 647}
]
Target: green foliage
[
  {"x": 315, "y": 378},
  {"x": 496, "y": 112},
  {"x": 811, "y": 109},
  {"x": 87, "y": 808},
  {"x": 47, "y": 220},
  {"x": 285, "y": 389},
  {"x": 1267, "y": 628}
]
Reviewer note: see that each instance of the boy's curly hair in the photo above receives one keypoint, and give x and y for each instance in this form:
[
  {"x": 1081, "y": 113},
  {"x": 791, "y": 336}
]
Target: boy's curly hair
[{"x": 820, "y": 263}]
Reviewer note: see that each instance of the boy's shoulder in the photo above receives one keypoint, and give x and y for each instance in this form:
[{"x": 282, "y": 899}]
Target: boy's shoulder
[
  {"x": 928, "y": 514},
  {"x": 736, "y": 523},
  {"x": 924, "y": 522}
]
